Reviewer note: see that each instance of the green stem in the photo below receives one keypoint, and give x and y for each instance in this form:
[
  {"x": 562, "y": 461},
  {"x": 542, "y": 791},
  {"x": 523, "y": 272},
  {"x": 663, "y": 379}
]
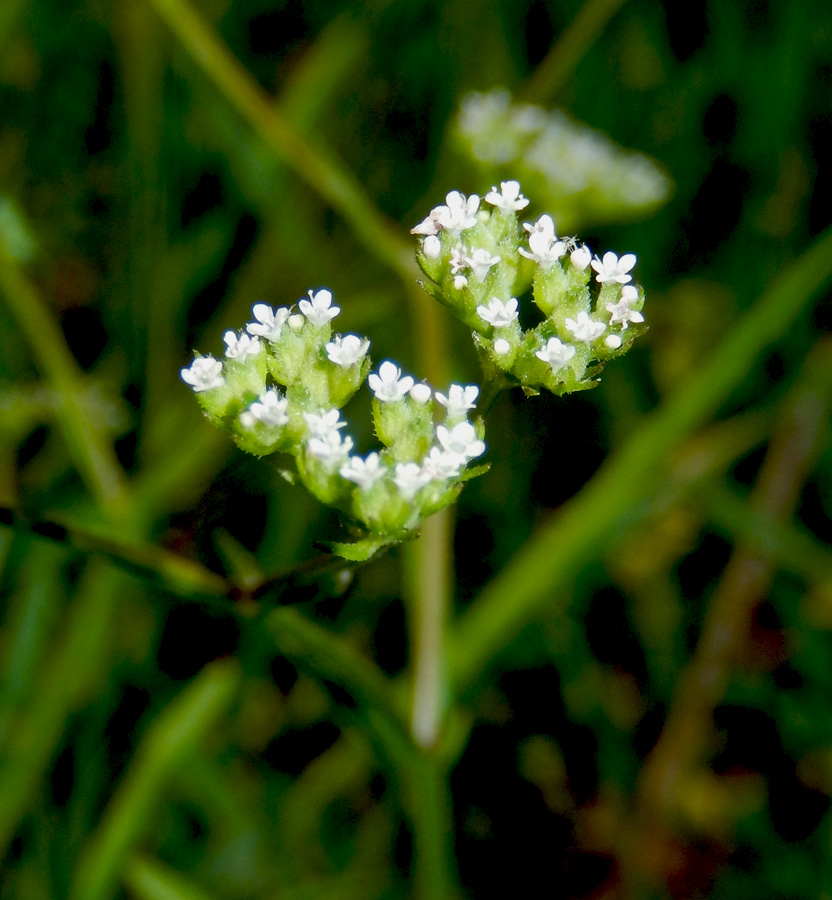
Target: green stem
[{"x": 430, "y": 578}]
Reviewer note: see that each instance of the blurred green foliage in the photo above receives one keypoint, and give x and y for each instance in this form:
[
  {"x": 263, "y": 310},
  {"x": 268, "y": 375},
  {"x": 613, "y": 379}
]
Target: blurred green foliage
[{"x": 635, "y": 681}]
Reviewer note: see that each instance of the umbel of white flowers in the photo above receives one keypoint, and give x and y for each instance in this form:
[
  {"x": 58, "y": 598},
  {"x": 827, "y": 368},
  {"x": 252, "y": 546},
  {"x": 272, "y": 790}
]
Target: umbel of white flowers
[
  {"x": 285, "y": 376},
  {"x": 281, "y": 387},
  {"x": 479, "y": 260}
]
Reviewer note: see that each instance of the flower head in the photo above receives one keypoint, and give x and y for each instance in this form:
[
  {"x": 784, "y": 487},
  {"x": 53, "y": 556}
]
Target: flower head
[
  {"x": 364, "y": 472},
  {"x": 461, "y": 439},
  {"x": 556, "y": 353},
  {"x": 389, "y": 384},
  {"x": 460, "y": 213},
  {"x": 240, "y": 347},
  {"x": 410, "y": 478},
  {"x": 442, "y": 464},
  {"x": 459, "y": 400},
  {"x": 499, "y": 313},
  {"x": 322, "y": 424},
  {"x": 544, "y": 225},
  {"x": 203, "y": 374},
  {"x": 269, "y": 322},
  {"x": 611, "y": 268},
  {"x": 509, "y": 199},
  {"x": 544, "y": 249},
  {"x": 585, "y": 329},
  {"x": 459, "y": 259},
  {"x": 318, "y": 308},
  {"x": 270, "y": 409},
  {"x": 430, "y": 224},
  {"x": 332, "y": 449},
  {"x": 480, "y": 262},
  {"x": 346, "y": 351},
  {"x": 620, "y": 312}
]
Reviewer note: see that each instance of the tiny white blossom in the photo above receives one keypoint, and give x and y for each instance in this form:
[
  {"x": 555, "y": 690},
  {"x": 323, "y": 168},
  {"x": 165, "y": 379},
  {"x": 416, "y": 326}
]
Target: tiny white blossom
[
  {"x": 321, "y": 424},
  {"x": 544, "y": 225},
  {"x": 460, "y": 282},
  {"x": 270, "y": 409},
  {"x": 269, "y": 322},
  {"x": 460, "y": 212},
  {"x": 429, "y": 225},
  {"x": 241, "y": 346},
  {"x": 584, "y": 328},
  {"x": 459, "y": 399},
  {"x": 441, "y": 465},
  {"x": 431, "y": 247},
  {"x": 420, "y": 393},
  {"x": 498, "y": 313},
  {"x": 501, "y": 346},
  {"x": 459, "y": 259},
  {"x": 480, "y": 262},
  {"x": 461, "y": 439},
  {"x": 556, "y": 353},
  {"x": 612, "y": 341},
  {"x": 332, "y": 449},
  {"x": 203, "y": 374},
  {"x": 611, "y": 268},
  {"x": 318, "y": 308},
  {"x": 296, "y": 322},
  {"x": 346, "y": 351},
  {"x": 545, "y": 250},
  {"x": 389, "y": 385},
  {"x": 410, "y": 478},
  {"x": 364, "y": 472},
  {"x": 581, "y": 257},
  {"x": 247, "y": 420},
  {"x": 509, "y": 199},
  {"x": 620, "y": 312}
]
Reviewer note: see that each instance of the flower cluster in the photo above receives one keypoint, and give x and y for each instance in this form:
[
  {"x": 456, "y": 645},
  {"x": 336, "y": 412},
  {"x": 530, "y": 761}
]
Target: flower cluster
[
  {"x": 282, "y": 385},
  {"x": 479, "y": 260},
  {"x": 578, "y": 172}
]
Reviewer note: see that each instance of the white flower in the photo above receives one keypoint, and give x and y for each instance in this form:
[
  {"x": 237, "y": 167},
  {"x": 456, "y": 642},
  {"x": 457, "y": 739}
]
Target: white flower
[
  {"x": 612, "y": 341},
  {"x": 240, "y": 346},
  {"x": 461, "y": 439},
  {"x": 296, "y": 322},
  {"x": 584, "y": 328},
  {"x": 441, "y": 464},
  {"x": 460, "y": 212},
  {"x": 459, "y": 400},
  {"x": 320, "y": 425},
  {"x": 364, "y": 472},
  {"x": 410, "y": 478},
  {"x": 269, "y": 322},
  {"x": 509, "y": 199},
  {"x": 346, "y": 351},
  {"x": 203, "y": 374},
  {"x": 430, "y": 225},
  {"x": 544, "y": 225},
  {"x": 389, "y": 385},
  {"x": 420, "y": 393},
  {"x": 460, "y": 282},
  {"x": 459, "y": 259},
  {"x": 270, "y": 409},
  {"x": 318, "y": 308},
  {"x": 611, "y": 268},
  {"x": 581, "y": 257},
  {"x": 480, "y": 262},
  {"x": 431, "y": 247},
  {"x": 501, "y": 346},
  {"x": 620, "y": 312},
  {"x": 544, "y": 249},
  {"x": 332, "y": 449},
  {"x": 497, "y": 313},
  {"x": 556, "y": 353}
]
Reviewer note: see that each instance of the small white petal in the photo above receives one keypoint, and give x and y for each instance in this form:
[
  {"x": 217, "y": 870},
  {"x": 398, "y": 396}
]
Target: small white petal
[
  {"x": 431, "y": 247},
  {"x": 612, "y": 341},
  {"x": 421, "y": 393},
  {"x": 501, "y": 346}
]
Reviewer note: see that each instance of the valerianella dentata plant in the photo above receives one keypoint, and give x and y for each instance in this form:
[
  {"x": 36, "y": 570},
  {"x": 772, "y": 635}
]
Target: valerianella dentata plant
[{"x": 286, "y": 377}]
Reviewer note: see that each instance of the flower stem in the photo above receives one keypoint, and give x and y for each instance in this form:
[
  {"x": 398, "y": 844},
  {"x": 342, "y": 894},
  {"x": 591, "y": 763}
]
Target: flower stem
[{"x": 429, "y": 570}]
